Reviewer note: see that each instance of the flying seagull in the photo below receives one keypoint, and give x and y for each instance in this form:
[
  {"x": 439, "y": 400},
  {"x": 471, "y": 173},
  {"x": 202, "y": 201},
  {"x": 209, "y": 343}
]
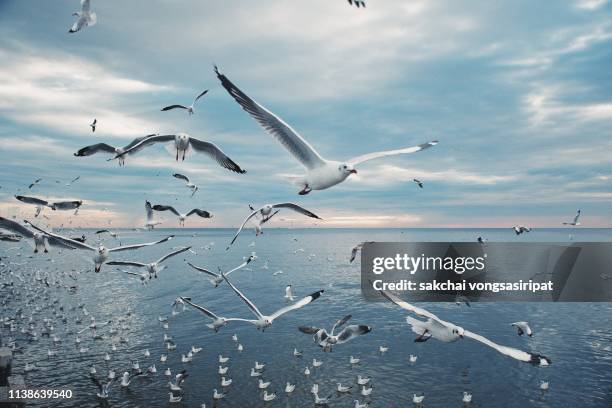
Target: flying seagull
[
  {"x": 356, "y": 249},
  {"x": 188, "y": 108},
  {"x": 85, "y": 17},
  {"x": 217, "y": 321},
  {"x": 188, "y": 182},
  {"x": 266, "y": 213},
  {"x": 523, "y": 328},
  {"x": 182, "y": 217},
  {"x": 320, "y": 173},
  {"x": 151, "y": 222},
  {"x": 106, "y": 148},
  {"x": 449, "y": 332},
  {"x": 72, "y": 181},
  {"x": 327, "y": 340},
  {"x": 58, "y": 205},
  {"x": 520, "y": 229},
  {"x": 101, "y": 253},
  {"x": 182, "y": 144},
  {"x": 153, "y": 267},
  {"x": 93, "y": 125},
  {"x": 418, "y": 183},
  {"x": 35, "y": 182},
  {"x": 574, "y": 223},
  {"x": 358, "y": 3},
  {"x": 264, "y": 321},
  {"x": 41, "y": 240},
  {"x": 217, "y": 279}
]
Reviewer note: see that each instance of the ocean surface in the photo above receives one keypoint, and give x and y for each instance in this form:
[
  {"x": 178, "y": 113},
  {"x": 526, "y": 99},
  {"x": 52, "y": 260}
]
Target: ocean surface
[{"x": 576, "y": 336}]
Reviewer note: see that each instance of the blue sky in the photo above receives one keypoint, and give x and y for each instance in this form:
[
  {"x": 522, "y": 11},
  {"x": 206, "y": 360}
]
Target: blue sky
[{"x": 518, "y": 93}]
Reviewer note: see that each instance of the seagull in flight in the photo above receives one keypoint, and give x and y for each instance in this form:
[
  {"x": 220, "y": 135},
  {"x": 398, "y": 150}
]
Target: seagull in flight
[
  {"x": 182, "y": 144},
  {"x": 320, "y": 173},
  {"x": 262, "y": 321},
  {"x": 35, "y": 182},
  {"x": 520, "y": 229},
  {"x": 153, "y": 268},
  {"x": 72, "y": 181},
  {"x": 327, "y": 340},
  {"x": 182, "y": 217},
  {"x": 58, "y": 205},
  {"x": 85, "y": 17},
  {"x": 266, "y": 212},
  {"x": 106, "y": 148},
  {"x": 217, "y": 321},
  {"x": 188, "y": 108},
  {"x": 93, "y": 125},
  {"x": 151, "y": 222},
  {"x": 217, "y": 279},
  {"x": 574, "y": 223},
  {"x": 523, "y": 328},
  {"x": 101, "y": 253},
  {"x": 356, "y": 249},
  {"x": 449, "y": 332},
  {"x": 188, "y": 182},
  {"x": 418, "y": 183},
  {"x": 41, "y": 240}
]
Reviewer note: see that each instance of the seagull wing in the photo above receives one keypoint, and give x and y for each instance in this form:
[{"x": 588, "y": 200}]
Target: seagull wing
[
  {"x": 136, "y": 246},
  {"x": 102, "y": 231},
  {"x": 15, "y": 227},
  {"x": 66, "y": 205},
  {"x": 181, "y": 176},
  {"x": 64, "y": 240},
  {"x": 299, "y": 304},
  {"x": 352, "y": 331},
  {"x": 201, "y": 309},
  {"x": 96, "y": 148},
  {"x": 31, "y": 200},
  {"x": 242, "y": 265},
  {"x": 576, "y": 217},
  {"x": 371, "y": 156},
  {"x": 409, "y": 307},
  {"x": 144, "y": 142},
  {"x": 167, "y": 108},
  {"x": 137, "y": 141},
  {"x": 171, "y": 254},
  {"x": 289, "y": 138},
  {"x": 340, "y": 323},
  {"x": 246, "y": 300},
  {"x": 158, "y": 207},
  {"x": 508, "y": 351},
  {"x": 149, "y": 210},
  {"x": 201, "y": 213},
  {"x": 308, "y": 329},
  {"x": 197, "y": 98},
  {"x": 206, "y": 271},
  {"x": 297, "y": 208},
  {"x": 242, "y": 226},
  {"x": 128, "y": 263},
  {"x": 213, "y": 151}
]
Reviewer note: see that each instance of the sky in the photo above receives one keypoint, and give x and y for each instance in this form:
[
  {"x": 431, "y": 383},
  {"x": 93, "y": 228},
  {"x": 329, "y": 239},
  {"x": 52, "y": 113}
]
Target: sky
[{"x": 518, "y": 93}]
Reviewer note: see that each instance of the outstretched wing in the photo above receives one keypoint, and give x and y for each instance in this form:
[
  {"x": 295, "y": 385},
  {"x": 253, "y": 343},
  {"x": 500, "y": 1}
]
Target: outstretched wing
[
  {"x": 136, "y": 246},
  {"x": 577, "y": 217},
  {"x": 201, "y": 213},
  {"x": 95, "y": 148},
  {"x": 181, "y": 176},
  {"x": 200, "y": 308},
  {"x": 158, "y": 207},
  {"x": 340, "y": 323},
  {"x": 371, "y": 156},
  {"x": 15, "y": 227},
  {"x": 206, "y": 271},
  {"x": 167, "y": 108},
  {"x": 352, "y": 331},
  {"x": 197, "y": 98},
  {"x": 289, "y": 138},
  {"x": 213, "y": 151},
  {"x": 127, "y": 263},
  {"x": 299, "y": 304},
  {"x": 308, "y": 329},
  {"x": 171, "y": 254},
  {"x": 144, "y": 142},
  {"x": 409, "y": 307},
  {"x": 31, "y": 200},
  {"x": 298, "y": 209},
  {"x": 242, "y": 226},
  {"x": 509, "y": 351},
  {"x": 64, "y": 240},
  {"x": 246, "y": 300}
]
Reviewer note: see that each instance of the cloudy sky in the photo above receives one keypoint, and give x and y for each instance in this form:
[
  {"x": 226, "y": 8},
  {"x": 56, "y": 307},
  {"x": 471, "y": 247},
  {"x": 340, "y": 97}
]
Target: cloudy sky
[{"x": 519, "y": 94}]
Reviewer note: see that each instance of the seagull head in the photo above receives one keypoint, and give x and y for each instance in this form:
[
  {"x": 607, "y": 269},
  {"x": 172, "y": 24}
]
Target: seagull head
[
  {"x": 459, "y": 331},
  {"x": 346, "y": 169}
]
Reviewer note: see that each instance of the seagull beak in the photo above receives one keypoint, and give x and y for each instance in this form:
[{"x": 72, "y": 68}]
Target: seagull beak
[{"x": 353, "y": 171}]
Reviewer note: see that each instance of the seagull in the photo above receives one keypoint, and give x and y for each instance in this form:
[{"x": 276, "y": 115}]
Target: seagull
[
  {"x": 574, "y": 223},
  {"x": 154, "y": 267},
  {"x": 356, "y": 249},
  {"x": 418, "y": 183},
  {"x": 264, "y": 321},
  {"x": 354, "y": 360},
  {"x": 467, "y": 397},
  {"x": 523, "y": 328},
  {"x": 188, "y": 108},
  {"x": 266, "y": 211},
  {"x": 217, "y": 321},
  {"x": 93, "y": 125},
  {"x": 359, "y": 405},
  {"x": 184, "y": 143},
  {"x": 412, "y": 358},
  {"x": 289, "y": 294},
  {"x": 216, "y": 395},
  {"x": 106, "y": 231},
  {"x": 41, "y": 240},
  {"x": 321, "y": 401},
  {"x": 40, "y": 203},
  {"x": 519, "y": 229},
  {"x": 72, "y": 181},
  {"x": 358, "y": 3},
  {"x": 151, "y": 222},
  {"x": 544, "y": 385},
  {"x": 263, "y": 385},
  {"x": 222, "y": 359},
  {"x": 362, "y": 381},
  {"x": 342, "y": 388},
  {"x": 289, "y": 388},
  {"x": 383, "y": 349},
  {"x": 217, "y": 279},
  {"x": 268, "y": 397},
  {"x": 365, "y": 391},
  {"x": 320, "y": 173},
  {"x": 188, "y": 182},
  {"x": 106, "y": 148},
  {"x": 226, "y": 383},
  {"x": 103, "y": 387},
  {"x": 327, "y": 340},
  {"x": 174, "y": 399},
  {"x": 35, "y": 182},
  {"x": 182, "y": 217},
  {"x": 101, "y": 253},
  {"x": 449, "y": 332},
  {"x": 85, "y": 17},
  {"x": 417, "y": 399},
  {"x": 297, "y": 353}
]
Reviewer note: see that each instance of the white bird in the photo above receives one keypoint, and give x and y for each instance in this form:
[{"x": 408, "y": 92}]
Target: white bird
[
  {"x": 217, "y": 321},
  {"x": 85, "y": 17},
  {"x": 544, "y": 385},
  {"x": 362, "y": 380},
  {"x": 412, "y": 358},
  {"x": 266, "y": 212},
  {"x": 297, "y": 353},
  {"x": 222, "y": 359},
  {"x": 327, "y": 340},
  {"x": 152, "y": 268},
  {"x": 234, "y": 337},
  {"x": 216, "y": 278},
  {"x": 41, "y": 240},
  {"x": 383, "y": 349},
  {"x": 222, "y": 370},
  {"x": 519, "y": 229},
  {"x": 354, "y": 360},
  {"x": 106, "y": 148},
  {"x": 188, "y": 182},
  {"x": 417, "y": 399},
  {"x": 263, "y": 385},
  {"x": 320, "y": 400},
  {"x": 226, "y": 382},
  {"x": 448, "y": 332},
  {"x": 255, "y": 373},
  {"x": 316, "y": 363},
  {"x": 189, "y": 108},
  {"x": 103, "y": 388},
  {"x": 523, "y": 328},
  {"x": 152, "y": 369},
  {"x": 259, "y": 366},
  {"x": 101, "y": 253},
  {"x": 182, "y": 216},
  {"x": 240, "y": 347},
  {"x": 365, "y": 391},
  {"x": 264, "y": 321},
  {"x": 163, "y": 358},
  {"x": 574, "y": 223},
  {"x": 268, "y": 397},
  {"x": 289, "y": 294},
  {"x": 217, "y": 395},
  {"x": 360, "y": 405},
  {"x": 307, "y": 371},
  {"x": 320, "y": 173},
  {"x": 289, "y": 388},
  {"x": 343, "y": 388},
  {"x": 467, "y": 397},
  {"x": 174, "y": 399},
  {"x": 168, "y": 373},
  {"x": 182, "y": 144},
  {"x": 185, "y": 359},
  {"x": 195, "y": 349}
]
